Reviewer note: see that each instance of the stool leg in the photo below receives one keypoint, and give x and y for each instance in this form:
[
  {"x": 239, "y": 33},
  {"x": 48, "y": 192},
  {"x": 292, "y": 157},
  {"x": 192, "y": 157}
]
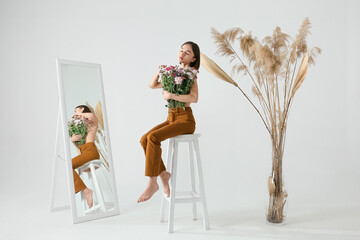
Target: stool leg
[
  {"x": 106, "y": 177},
  {"x": 192, "y": 174},
  {"x": 170, "y": 154},
  {"x": 82, "y": 195},
  {"x": 111, "y": 196},
  {"x": 168, "y": 166},
  {"x": 173, "y": 187},
  {"x": 97, "y": 188},
  {"x": 201, "y": 185}
]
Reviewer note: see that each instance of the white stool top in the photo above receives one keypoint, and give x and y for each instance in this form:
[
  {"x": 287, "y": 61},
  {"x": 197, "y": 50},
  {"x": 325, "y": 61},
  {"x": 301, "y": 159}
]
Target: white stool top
[
  {"x": 187, "y": 136},
  {"x": 96, "y": 162}
]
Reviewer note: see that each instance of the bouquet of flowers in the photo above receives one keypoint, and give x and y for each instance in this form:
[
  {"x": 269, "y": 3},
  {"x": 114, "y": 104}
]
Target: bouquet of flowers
[
  {"x": 78, "y": 126},
  {"x": 178, "y": 80}
]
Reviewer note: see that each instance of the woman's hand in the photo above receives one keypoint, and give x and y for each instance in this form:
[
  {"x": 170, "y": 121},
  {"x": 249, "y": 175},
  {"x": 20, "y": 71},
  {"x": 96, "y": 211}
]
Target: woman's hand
[
  {"x": 77, "y": 116},
  {"x": 76, "y": 138},
  {"x": 167, "y": 96},
  {"x": 154, "y": 81},
  {"x": 158, "y": 72}
]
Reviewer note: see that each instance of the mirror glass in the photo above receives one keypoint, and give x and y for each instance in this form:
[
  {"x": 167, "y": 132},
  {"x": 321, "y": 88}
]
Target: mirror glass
[{"x": 88, "y": 154}]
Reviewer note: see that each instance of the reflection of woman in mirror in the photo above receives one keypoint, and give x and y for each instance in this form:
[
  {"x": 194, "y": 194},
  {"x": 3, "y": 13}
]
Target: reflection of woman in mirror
[
  {"x": 88, "y": 149},
  {"x": 178, "y": 122}
]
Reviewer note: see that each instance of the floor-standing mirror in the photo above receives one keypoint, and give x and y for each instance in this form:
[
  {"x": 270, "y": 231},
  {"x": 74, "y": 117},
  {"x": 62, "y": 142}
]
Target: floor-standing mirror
[{"x": 87, "y": 142}]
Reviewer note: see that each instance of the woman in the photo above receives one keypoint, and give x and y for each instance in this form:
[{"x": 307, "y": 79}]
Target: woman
[
  {"x": 178, "y": 122},
  {"x": 88, "y": 150}
]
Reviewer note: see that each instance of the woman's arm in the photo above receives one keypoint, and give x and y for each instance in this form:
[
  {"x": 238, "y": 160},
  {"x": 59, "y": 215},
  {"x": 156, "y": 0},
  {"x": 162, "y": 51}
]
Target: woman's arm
[
  {"x": 86, "y": 115},
  {"x": 75, "y": 138},
  {"x": 154, "y": 82},
  {"x": 191, "y": 97}
]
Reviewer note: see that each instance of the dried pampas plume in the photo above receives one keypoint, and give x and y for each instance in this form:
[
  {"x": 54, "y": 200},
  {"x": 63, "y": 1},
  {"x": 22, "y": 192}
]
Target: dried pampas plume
[
  {"x": 304, "y": 66},
  {"x": 213, "y": 68},
  {"x": 99, "y": 114},
  {"x": 271, "y": 185},
  {"x": 299, "y": 46}
]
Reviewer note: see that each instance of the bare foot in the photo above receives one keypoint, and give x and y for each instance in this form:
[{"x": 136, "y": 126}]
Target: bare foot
[
  {"x": 88, "y": 193},
  {"x": 151, "y": 188},
  {"x": 165, "y": 176}
]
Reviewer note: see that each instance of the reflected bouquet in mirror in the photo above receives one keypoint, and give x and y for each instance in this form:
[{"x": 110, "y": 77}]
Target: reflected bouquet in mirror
[
  {"x": 78, "y": 126},
  {"x": 177, "y": 80}
]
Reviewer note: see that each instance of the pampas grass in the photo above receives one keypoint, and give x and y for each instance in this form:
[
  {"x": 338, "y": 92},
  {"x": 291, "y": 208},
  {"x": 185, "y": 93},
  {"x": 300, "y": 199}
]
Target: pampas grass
[
  {"x": 99, "y": 114},
  {"x": 272, "y": 66}
]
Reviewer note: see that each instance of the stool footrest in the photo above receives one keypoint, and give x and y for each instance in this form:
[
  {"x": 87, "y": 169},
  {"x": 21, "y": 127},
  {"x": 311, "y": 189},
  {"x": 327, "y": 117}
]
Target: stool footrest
[
  {"x": 186, "y": 197},
  {"x": 187, "y": 200}
]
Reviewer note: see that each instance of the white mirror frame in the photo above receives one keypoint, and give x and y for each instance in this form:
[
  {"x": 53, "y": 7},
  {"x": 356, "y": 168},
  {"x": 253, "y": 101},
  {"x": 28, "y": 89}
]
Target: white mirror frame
[{"x": 68, "y": 159}]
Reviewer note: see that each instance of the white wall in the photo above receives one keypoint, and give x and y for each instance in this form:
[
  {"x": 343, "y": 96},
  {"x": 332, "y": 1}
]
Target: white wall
[{"x": 130, "y": 39}]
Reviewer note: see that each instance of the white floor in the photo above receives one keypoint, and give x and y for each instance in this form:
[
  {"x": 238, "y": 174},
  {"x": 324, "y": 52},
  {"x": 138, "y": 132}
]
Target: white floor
[{"x": 141, "y": 221}]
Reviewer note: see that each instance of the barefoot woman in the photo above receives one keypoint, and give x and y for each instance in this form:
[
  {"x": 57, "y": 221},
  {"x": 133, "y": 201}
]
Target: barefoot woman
[
  {"x": 88, "y": 150},
  {"x": 178, "y": 122}
]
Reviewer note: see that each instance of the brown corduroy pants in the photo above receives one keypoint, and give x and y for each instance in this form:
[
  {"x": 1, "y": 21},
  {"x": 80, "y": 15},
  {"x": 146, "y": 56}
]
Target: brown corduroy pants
[
  {"x": 178, "y": 122},
  {"x": 88, "y": 152}
]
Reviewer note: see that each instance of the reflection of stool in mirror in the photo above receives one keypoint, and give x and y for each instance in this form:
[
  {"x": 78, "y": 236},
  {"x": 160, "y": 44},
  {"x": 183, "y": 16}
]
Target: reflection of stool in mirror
[
  {"x": 90, "y": 168},
  {"x": 185, "y": 197}
]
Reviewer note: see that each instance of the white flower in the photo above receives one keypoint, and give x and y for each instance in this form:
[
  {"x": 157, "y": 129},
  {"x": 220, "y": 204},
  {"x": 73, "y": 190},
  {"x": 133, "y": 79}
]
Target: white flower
[{"x": 178, "y": 80}]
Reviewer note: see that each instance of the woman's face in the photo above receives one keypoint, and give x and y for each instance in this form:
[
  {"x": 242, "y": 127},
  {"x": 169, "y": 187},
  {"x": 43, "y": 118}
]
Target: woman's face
[{"x": 186, "y": 55}]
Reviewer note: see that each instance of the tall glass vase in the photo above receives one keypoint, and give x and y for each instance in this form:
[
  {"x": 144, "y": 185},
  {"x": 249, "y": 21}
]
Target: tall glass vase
[{"x": 276, "y": 209}]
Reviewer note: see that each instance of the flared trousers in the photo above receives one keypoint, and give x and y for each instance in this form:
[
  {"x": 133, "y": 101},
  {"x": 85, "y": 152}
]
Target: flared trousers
[
  {"x": 178, "y": 122},
  {"x": 88, "y": 152}
]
